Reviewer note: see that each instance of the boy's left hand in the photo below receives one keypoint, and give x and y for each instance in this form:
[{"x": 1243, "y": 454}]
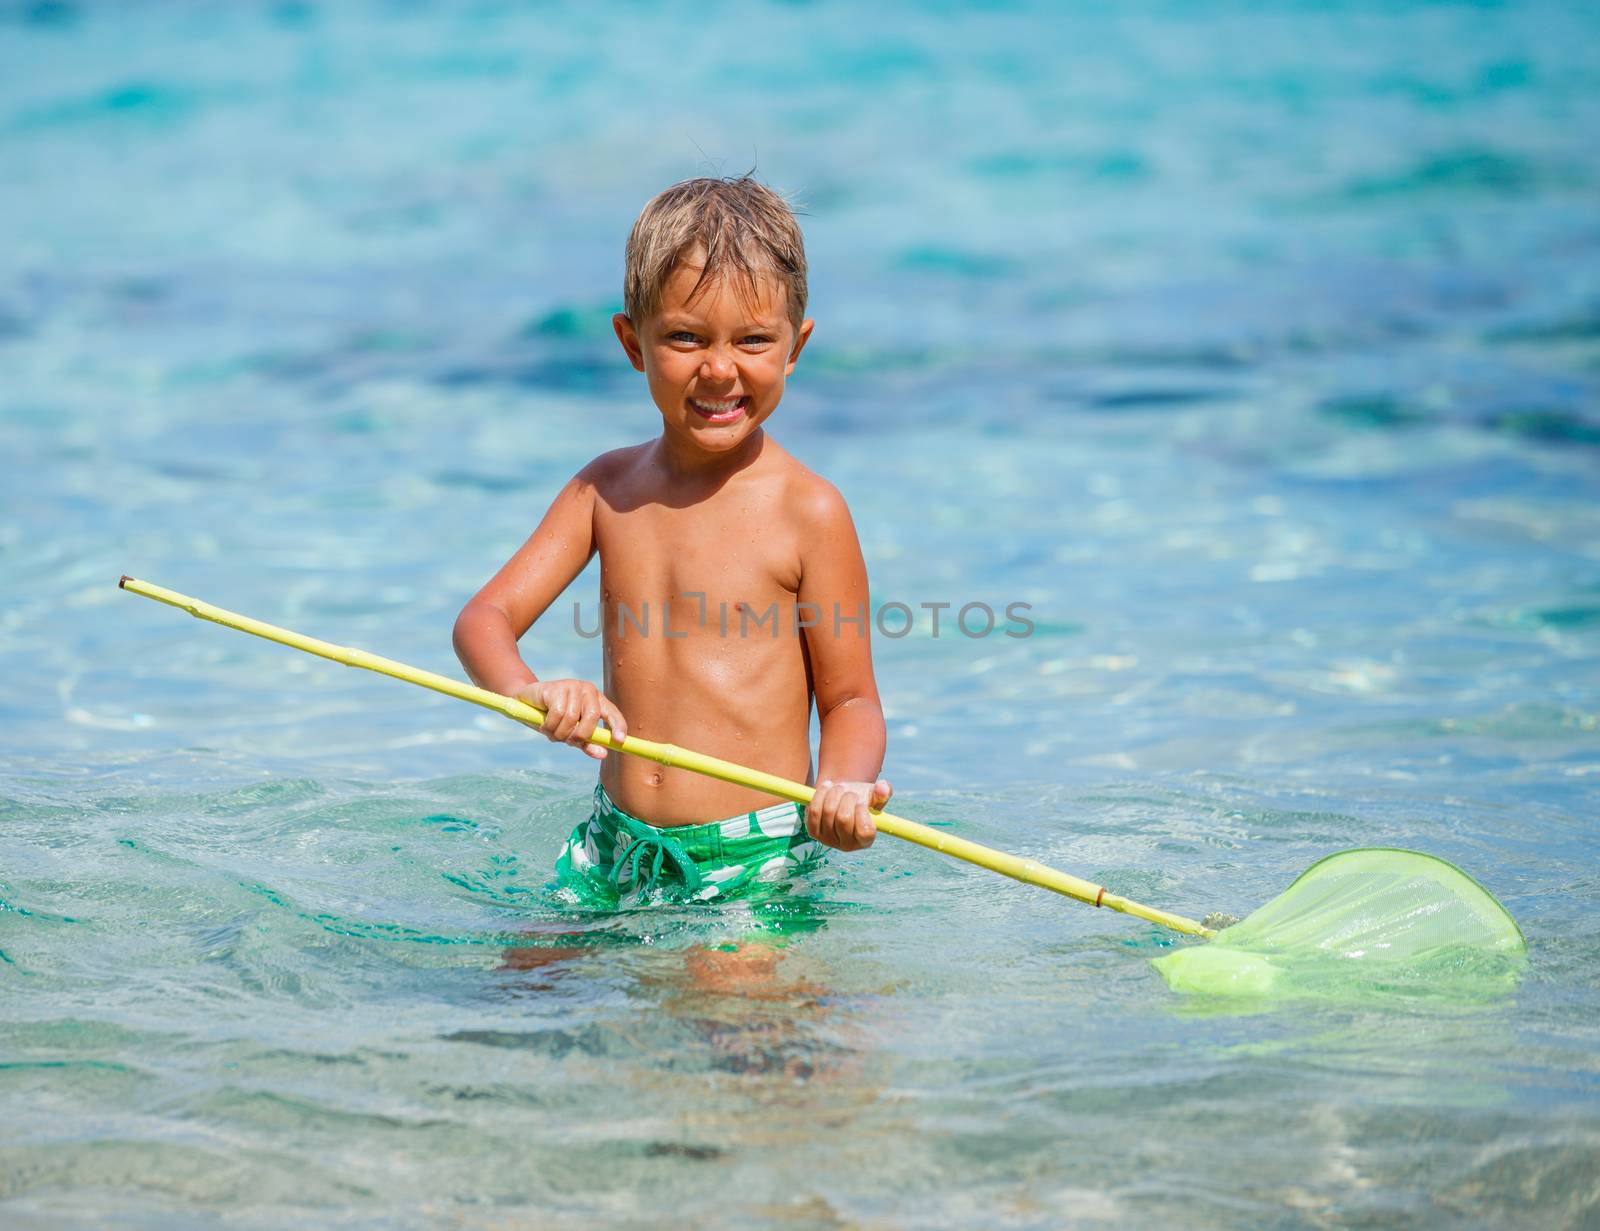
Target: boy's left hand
[{"x": 837, "y": 814}]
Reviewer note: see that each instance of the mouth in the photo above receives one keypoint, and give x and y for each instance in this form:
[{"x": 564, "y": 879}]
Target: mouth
[{"x": 719, "y": 410}]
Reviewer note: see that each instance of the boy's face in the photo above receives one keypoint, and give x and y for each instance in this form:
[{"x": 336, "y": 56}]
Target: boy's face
[{"x": 716, "y": 363}]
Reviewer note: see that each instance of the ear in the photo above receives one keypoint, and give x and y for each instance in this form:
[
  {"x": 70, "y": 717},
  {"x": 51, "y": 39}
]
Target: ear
[
  {"x": 629, "y": 337},
  {"x": 801, "y": 337}
]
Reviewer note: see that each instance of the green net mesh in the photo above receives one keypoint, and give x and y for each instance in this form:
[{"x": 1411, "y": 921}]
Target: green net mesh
[{"x": 1362, "y": 918}]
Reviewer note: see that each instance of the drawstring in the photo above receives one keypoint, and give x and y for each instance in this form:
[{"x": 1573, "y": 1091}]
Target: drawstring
[{"x": 650, "y": 845}]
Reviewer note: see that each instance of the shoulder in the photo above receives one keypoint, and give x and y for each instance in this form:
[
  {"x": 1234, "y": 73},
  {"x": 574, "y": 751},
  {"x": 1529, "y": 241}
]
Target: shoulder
[
  {"x": 609, "y": 469},
  {"x": 597, "y": 482},
  {"x": 829, "y": 551},
  {"x": 816, "y": 505},
  {"x": 613, "y": 464}
]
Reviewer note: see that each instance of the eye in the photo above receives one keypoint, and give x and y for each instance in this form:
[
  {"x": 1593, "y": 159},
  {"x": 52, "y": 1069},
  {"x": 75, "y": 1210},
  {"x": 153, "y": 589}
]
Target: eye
[
  {"x": 755, "y": 339},
  {"x": 683, "y": 335}
]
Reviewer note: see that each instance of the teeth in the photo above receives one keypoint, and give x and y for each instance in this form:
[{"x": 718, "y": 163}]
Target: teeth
[{"x": 717, "y": 408}]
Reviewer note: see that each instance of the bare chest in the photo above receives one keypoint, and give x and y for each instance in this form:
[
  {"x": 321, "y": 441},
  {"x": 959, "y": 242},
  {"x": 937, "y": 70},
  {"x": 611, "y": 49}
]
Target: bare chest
[{"x": 705, "y": 564}]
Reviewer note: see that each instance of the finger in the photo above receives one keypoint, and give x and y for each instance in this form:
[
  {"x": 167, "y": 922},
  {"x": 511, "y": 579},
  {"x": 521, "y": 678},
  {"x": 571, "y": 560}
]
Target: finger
[
  {"x": 841, "y": 818},
  {"x": 552, "y": 715},
  {"x": 881, "y": 792},
  {"x": 588, "y": 719},
  {"x": 842, "y": 809},
  {"x": 827, "y": 815},
  {"x": 595, "y": 751},
  {"x": 563, "y": 732},
  {"x": 865, "y": 830},
  {"x": 555, "y": 714},
  {"x": 615, "y": 721},
  {"x": 533, "y": 694},
  {"x": 817, "y": 823},
  {"x": 816, "y": 816},
  {"x": 571, "y": 712},
  {"x": 813, "y": 813}
]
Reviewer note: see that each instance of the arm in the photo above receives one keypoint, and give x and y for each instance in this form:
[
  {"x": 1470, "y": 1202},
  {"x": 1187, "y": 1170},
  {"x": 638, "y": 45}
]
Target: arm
[
  {"x": 488, "y": 627},
  {"x": 834, "y": 578}
]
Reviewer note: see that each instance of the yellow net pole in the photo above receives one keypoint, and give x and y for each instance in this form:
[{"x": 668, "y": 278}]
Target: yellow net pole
[{"x": 1025, "y": 870}]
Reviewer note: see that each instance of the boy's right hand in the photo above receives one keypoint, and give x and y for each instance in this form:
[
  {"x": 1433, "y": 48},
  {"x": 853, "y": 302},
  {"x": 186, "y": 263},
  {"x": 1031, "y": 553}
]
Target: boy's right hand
[
  {"x": 572, "y": 710},
  {"x": 838, "y": 815}
]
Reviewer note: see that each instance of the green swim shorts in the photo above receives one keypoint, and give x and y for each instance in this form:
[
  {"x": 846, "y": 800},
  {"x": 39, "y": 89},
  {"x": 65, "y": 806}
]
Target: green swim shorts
[{"x": 613, "y": 860}]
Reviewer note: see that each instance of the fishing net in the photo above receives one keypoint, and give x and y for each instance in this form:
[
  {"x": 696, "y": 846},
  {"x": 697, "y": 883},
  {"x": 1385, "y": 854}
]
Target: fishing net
[{"x": 1362, "y": 918}]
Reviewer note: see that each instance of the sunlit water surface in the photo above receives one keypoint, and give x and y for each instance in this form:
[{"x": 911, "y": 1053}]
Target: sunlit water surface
[{"x": 1254, "y": 346}]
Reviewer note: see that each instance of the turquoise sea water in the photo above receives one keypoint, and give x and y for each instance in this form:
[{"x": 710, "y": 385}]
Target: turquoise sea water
[{"x": 1255, "y": 345}]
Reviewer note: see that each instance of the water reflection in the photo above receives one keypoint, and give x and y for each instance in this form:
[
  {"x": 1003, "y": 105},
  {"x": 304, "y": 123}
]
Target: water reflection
[{"x": 722, "y": 989}]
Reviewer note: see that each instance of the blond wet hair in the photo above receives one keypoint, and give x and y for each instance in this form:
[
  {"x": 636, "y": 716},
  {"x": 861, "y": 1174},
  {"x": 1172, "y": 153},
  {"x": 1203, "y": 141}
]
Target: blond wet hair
[{"x": 745, "y": 230}]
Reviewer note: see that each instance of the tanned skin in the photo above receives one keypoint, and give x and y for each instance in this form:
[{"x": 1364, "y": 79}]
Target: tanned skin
[{"x": 714, "y": 507}]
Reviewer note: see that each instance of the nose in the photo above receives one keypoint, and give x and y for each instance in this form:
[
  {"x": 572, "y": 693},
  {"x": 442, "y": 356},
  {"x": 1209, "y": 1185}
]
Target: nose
[{"x": 717, "y": 366}]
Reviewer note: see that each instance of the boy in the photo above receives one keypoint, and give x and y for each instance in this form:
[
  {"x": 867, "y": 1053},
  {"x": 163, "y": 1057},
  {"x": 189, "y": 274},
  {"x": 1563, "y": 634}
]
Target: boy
[{"x": 732, "y": 586}]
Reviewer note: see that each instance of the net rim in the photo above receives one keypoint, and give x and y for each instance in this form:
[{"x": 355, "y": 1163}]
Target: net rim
[{"x": 1402, "y": 850}]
